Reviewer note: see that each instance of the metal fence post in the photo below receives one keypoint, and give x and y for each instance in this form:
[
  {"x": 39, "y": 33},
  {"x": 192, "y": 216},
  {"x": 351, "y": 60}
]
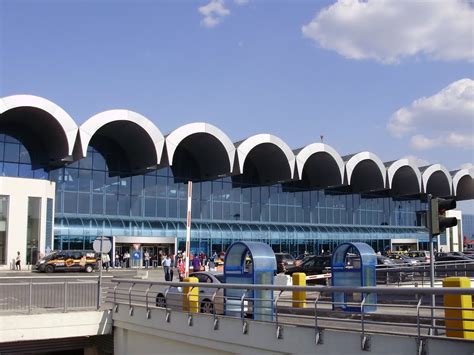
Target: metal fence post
[
  {"x": 65, "y": 296},
  {"x": 30, "y": 295}
]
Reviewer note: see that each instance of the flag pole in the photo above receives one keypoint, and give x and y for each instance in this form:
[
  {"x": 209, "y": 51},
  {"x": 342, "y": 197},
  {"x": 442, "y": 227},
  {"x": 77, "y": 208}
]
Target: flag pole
[{"x": 188, "y": 229}]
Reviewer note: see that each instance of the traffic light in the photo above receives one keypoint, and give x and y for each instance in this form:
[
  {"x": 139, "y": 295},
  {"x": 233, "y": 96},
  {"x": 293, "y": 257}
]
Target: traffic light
[{"x": 439, "y": 222}]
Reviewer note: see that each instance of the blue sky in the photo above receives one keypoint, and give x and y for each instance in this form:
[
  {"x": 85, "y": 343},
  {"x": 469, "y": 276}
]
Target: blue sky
[{"x": 297, "y": 69}]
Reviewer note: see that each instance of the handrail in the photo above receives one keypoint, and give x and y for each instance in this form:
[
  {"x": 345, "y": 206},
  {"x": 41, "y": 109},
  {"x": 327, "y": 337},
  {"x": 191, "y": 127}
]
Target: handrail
[{"x": 316, "y": 288}]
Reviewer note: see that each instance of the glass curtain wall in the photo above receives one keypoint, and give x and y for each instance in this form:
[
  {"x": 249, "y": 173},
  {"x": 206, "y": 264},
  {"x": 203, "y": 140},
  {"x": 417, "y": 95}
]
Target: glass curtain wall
[
  {"x": 3, "y": 229},
  {"x": 222, "y": 211},
  {"x": 33, "y": 229}
]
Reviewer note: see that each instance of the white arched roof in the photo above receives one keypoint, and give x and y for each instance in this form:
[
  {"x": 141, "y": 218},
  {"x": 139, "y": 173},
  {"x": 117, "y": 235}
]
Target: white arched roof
[
  {"x": 245, "y": 147},
  {"x": 93, "y": 124},
  {"x": 398, "y": 164},
  {"x": 458, "y": 175},
  {"x": 180, "y": 133},
  {"x": 68, "y": 125},
  {"x": 355, "y": 159},
  {"x": 430, "y": 170},
  {"x": 304, "y": 154}
]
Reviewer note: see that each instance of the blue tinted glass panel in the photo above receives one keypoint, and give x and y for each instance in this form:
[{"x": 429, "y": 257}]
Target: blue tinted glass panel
[
  {"x": 24, "y": 155},
  {"x": 70, "y": 202},
  {"x": 150, "y": 207},
  {"x": 111, "y": 204},
  {"x": 98, "y": 161},
  {"x": 10, "y": 169},
  {"x": 25, "y": 171},
  {"x": 97, "y": 203},
  {"x": 12, "y": 152},
  {"x": 84, "y": 202}
]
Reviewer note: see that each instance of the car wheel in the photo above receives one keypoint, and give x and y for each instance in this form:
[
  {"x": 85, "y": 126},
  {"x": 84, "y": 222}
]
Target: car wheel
[
  {"x": 88, "y": 268},
  {"x": 49, "y": 269},
  {"x": 160, "y": 301},
  {"x": 207, "y": 307}
]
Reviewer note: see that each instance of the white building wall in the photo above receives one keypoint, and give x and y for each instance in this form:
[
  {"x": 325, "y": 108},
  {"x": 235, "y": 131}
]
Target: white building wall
[{"x": 18, "y": 190}]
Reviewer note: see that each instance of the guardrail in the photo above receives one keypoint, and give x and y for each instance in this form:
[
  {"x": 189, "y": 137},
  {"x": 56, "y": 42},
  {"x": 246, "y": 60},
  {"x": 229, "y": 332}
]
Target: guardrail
[
  {"x": 400, "y": 311},
  {"x": 40, "y": 294}
]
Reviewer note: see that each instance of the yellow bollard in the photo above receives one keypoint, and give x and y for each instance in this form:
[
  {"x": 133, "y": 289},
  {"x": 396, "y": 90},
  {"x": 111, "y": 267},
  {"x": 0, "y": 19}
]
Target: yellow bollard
[
  {"x": 464, "y": 319},
  {"x": 299, "y": 297},
  {"x": 191, "y": 296}
]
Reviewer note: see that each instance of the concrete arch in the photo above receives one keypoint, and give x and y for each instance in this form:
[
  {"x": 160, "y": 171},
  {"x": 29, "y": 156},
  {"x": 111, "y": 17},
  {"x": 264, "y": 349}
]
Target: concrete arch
[
  {"x": 436, "y": 180},
  {"x": 210, "y": 149},
  {"x": 115, "y": 133},
  {"x": 403, "y": 178},
  {"x": 269, "y": 157},
  {"x": 50, "y": 135},
  {"x": 463, "y": 184},
  {"x": 365, "y": 172},
  {"x": 322, "y": 163}
]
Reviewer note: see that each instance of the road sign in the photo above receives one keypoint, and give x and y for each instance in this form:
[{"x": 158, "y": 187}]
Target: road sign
[
  {"x": 136, "y": 255},
  {"x": 102, "y": 245}
]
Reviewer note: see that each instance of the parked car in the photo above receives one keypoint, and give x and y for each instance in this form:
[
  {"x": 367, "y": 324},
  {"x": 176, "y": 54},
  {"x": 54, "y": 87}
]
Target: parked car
[
  {"x": 284, "y": 261},
  {"x": 389, "y": 271},
  {"x": 422, "y": 256},
  {"x": 452, "y": 258},
  {"x": 68, "y": 260},
  {"x": 458, "y": 253},
  {"x": 403, "y": 259},
  {"x": 302, "y": 258},
  {"x": 314, "y": 265},
  {"x": 173, "y": 296}
]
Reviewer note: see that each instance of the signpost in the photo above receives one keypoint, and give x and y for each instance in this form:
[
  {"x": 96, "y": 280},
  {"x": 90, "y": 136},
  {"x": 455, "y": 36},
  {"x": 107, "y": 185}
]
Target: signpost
[
  {"x": 101, "y": 245},
  {"x": 188, "y": 230}
]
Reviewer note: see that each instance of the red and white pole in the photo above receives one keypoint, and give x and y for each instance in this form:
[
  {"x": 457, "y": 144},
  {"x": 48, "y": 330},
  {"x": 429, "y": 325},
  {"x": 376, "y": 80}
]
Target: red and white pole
[{"x": 188, "y": 229}]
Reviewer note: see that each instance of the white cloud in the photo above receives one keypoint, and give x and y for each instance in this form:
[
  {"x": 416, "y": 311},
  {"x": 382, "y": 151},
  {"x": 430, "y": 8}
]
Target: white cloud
[
  {"x": 213, "y": 13},
  {"x": 417, "y": 161},
  {"x": 444, "y": 119},
  {"x": 388, "y": 30}
]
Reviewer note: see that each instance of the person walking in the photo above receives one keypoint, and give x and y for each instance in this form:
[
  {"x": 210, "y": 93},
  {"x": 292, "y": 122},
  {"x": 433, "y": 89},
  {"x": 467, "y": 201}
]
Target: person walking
[
  {"x": 126, "y": 259},
  {"x": 117, "y": 260},
  {"x": 166, "y": 267},
  {"x": 147, "y": 259},
  {"x": 18, "y": 261},
  {"x": 196, "y": 264},
  {"x": 106, "y": 261}
]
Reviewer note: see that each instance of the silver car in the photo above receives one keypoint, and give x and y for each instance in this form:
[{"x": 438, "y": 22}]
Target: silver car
[{"x": 209, "y": 299}]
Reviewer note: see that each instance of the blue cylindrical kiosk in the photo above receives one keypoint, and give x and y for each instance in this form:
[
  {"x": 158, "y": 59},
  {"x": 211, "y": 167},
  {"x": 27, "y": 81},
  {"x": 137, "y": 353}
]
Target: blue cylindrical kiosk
[
  {"x": 250, "y": 263},
  {"x": 354, "y": 270}
]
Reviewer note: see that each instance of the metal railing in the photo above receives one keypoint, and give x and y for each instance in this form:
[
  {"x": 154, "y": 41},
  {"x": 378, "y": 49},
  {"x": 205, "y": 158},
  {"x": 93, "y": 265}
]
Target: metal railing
[
  {"x": 402, "y": 311},
  {"x": 42, "y": 294}
]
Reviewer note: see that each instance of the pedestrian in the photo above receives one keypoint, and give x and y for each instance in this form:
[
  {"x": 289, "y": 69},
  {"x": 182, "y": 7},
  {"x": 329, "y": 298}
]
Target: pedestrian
[
  {"x": 126, "y": 259},
  {"x": 181, "y": 269},
  {"x": 147, "y": 259},
  {"x": 105, "y": 261},
  {"x": 18, "y": 261},
  {"x": 196, "y": 263},
  {"x": 117, "y": 260},
  {"x": 166, "y": 267}
]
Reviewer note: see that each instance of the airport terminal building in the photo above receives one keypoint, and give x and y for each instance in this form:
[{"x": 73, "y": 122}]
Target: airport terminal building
[{"x": 116, "y": 175}]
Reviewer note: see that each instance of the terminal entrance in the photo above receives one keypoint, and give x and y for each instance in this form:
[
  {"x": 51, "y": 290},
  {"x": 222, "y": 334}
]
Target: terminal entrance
[
  {"x": 155, "y": 251},
  {"x": 137, "y": 246}
]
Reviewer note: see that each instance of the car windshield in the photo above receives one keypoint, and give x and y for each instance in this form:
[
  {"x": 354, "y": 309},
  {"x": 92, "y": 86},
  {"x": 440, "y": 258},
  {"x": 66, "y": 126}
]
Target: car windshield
[{"x": 220, "y": 277}]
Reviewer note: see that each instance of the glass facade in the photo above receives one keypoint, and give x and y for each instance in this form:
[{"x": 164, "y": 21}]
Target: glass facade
[
  {"x": 90, "y": 203},
  {"x": 33, "y": 229},
  {"x": 3, "y": 229}
]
